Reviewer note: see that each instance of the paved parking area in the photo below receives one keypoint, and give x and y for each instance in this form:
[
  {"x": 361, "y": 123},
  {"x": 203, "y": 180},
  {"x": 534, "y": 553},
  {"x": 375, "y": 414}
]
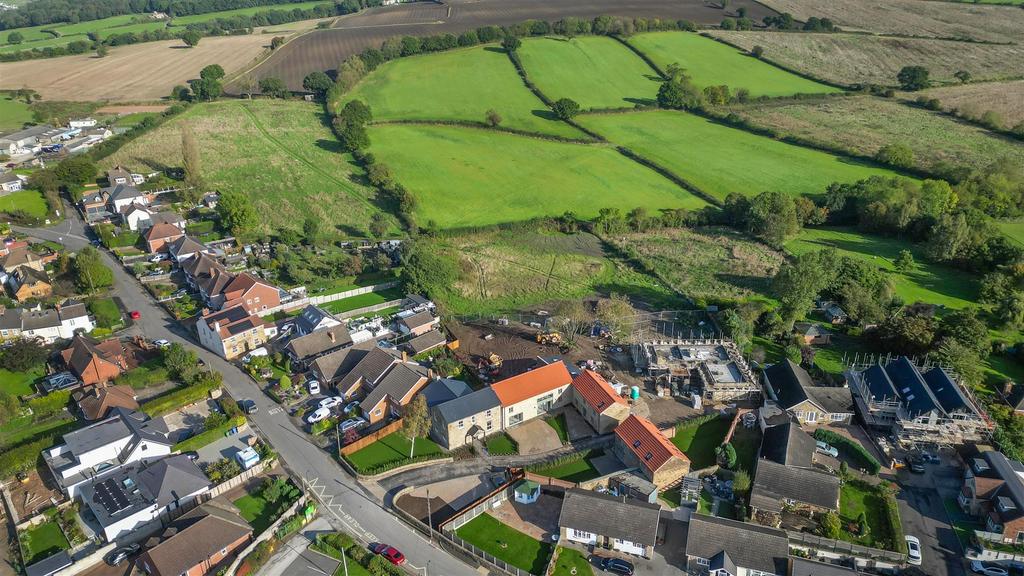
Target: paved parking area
[{"x": 535, "y": 437}]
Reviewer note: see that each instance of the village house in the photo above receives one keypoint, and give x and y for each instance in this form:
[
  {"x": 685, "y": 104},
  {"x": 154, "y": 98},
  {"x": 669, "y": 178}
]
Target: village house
[
  {"x": 59, "y": 323},
  {"x": 777, "y": 486},
  {"x": 11, "y": 182},
  {"x": 305, "y": 349},
  {"x": 198, "y": 542},
  {"x": 122, "y": 438},
  {"x": 417, "y": 324},
  {"x": 231, "y": 332},
  {"x": 993, "y": 490},
  {"x": 96, "y": 402},
  {"x": 29, "y": 284},
  {"x": 459, "y": 421},
  {"x": 639, "y": 444},
  {"x": 159, "y": 237},
  {"x": 792, "y": 388},
  {"x": 597, "y": 402},
  {"x": 95, "y": 362},
  {"x": 533, "y": 393},
  {"x": 605, "y": 521},
  {"x": 717, "y": 546}
]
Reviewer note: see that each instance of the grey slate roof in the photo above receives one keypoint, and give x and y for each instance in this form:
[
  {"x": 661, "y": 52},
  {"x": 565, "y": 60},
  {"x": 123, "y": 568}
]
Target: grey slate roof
[
  {"x": 749, "y": 546},
  {"x": 444, "y": 389},
  {"x": 788, "y": 444},
  {"x": 319, "y": 342},
  {"x": 426, "y": 341},
  {"x": 804, "y": 567},
  {"x": 397, "y": 383},
  {"x": 775, "y": 482},
  {"x": 468, "y": 405},
  {"x": 610, "y": 516}
]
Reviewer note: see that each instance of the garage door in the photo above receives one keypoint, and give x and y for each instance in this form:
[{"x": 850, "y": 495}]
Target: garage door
[{"x": 628, "y": 547}]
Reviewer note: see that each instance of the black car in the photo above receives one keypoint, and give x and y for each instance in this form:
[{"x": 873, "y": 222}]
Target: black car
[
  {"x": 121, "y": 554},
  {"x": 617, "y": 566},
  {"x": 917, "y": 466}
]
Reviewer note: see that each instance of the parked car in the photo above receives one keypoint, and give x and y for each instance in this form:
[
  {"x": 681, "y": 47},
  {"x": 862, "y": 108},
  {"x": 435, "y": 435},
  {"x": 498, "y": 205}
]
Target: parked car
[
  {"x": 913, "y": 550},
  {"x": 352, "y": 423},
  {"x": 135, "y": 314},
  {"x": 825, "y": 448},
  {"x": 121, "y": 554},
  {"x": 390, "y": 553},
  {"x": 161, "y": 343},
  {"x": 318, "y": 415},
  {"x": 331, "y": 401},
  {"x": 313, "y": 386},
  {"x": 248, "y": 405},
  {"x": 917, "y": 466},
  {"x": 617, "y": 566},
  {"x": 988, "y": 568}
]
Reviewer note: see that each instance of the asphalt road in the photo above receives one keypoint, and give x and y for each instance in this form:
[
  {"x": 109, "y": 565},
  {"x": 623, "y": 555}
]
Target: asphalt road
[{"x": 344, "y": 502}]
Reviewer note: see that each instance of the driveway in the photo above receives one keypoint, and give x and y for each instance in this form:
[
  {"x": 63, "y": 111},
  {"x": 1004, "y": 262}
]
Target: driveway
[{"x": 535, "y": 437}]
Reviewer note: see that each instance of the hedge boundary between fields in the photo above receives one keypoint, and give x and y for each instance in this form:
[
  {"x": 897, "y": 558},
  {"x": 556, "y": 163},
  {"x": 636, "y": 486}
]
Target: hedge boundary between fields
[{"x": 859, "y": 452}]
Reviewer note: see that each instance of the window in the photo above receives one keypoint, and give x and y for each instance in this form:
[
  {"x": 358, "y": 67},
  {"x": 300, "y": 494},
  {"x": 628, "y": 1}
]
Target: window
[{"x": 703, "y": 561}]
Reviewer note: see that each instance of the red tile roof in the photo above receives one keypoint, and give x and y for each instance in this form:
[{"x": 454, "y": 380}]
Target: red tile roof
[
  {"x": 533, "y": 383},
  {"x": 648, "y": 444},
  {"x": 596, "y": 391}
]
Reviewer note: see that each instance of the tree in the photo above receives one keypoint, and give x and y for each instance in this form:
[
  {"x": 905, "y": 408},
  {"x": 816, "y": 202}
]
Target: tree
[
  {"x": 273, "y": 87},
  {"x": 493, "y": 118},
  {"x": 904, "y": 261},
  {"x": 897, "y": 154},
  {"x": 831, "y": 526},
  {"x": 773, "y": 218},
  {"x": 191, "y": 38},
  {"x": 192, "y": 190},
  {"x": 378, "y": 225},
  {"x": 963, "y": 76},
  {"x": 91, "y": 272},
  {"x": 236, "y": 212},
  {"x": 913, "y": 78},
  {"x": 726, "y": 454},
  {"x": 318, "y": 83},
  {"x": 212, "y": 72},
  {"x": 566, "y": 108},
  {"x": 511, "y": 44},
  {"x": 415, "y": 421},
  {"x": 15, "y": 37},
  {"x": 23, "y": 355}
]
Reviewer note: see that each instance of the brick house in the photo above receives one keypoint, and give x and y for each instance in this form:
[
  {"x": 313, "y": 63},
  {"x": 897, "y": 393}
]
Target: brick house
[
  {"x": 639, "y": 444},
  {"x": 597, "y": 402}
]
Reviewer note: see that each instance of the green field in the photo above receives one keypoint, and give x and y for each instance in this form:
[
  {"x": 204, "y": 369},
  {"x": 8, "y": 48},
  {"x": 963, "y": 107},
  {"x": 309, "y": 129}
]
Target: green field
[
  {"x": 470, "y": 177},
  {"x": 595, "y": 71},
  {"x": 711, "y": 63},
  {"x": 457, "y": 85},
  {"x": 13, "y": 113},
  {"x": 926, "y": 282},
  {"x": 192, "y": 19},
  {"x": 508, "y": 544},
  {"x": 719, "y": 160},
  {"x": 29, "y": 201},
  {"x": 278, "y": 153}
]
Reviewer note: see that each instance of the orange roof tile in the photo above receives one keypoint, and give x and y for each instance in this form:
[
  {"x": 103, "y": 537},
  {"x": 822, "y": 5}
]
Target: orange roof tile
[
  {"x": 533, "y": 383},
  {"x": 645, "y": 440},
  {"x": 596, "y": 391}
]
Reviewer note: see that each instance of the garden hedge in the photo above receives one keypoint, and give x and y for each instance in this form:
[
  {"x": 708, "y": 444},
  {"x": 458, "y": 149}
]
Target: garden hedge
[{"x": 853, "y": 448}]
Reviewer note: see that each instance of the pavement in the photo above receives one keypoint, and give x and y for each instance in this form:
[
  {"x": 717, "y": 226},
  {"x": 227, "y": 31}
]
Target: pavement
[{"x": 343, "y": 501}]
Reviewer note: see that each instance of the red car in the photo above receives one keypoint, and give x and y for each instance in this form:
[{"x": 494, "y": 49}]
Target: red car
[
  {"x": 390, "y": 552},
  {"x": 135, "y": 314}
]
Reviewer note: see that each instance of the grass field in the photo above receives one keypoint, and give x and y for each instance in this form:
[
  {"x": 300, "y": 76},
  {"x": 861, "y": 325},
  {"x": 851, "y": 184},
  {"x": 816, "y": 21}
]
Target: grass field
[
  {"x": 926, "y": 282},
  {"x": 512, "y": 546},
  {"x": 279, "y": 154},
  {"x": 472, "y": 177},
  {"x": 864, "y": 124},
  {"x": 863, "y": 58},
  {"x": 711, "y": 63},
  {"x": 13, "y": 113},
  {"x": 699, "y": 442},
  {"x": 391, "y": 449},
  {"x": 719, "y": 160},
  {"x": 29, "y": 201},
  {"x": 705, "y": 264},
  {"x": 972, "y": 100},
  {"x": 595, "y": 71},
  {"x": 457, "y": 85},
  {"x": 42, "y": 541}
]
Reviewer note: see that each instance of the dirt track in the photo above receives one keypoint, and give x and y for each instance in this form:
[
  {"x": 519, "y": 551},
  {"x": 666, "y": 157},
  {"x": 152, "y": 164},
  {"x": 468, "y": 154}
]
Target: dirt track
[{"x": 325, "y": 49}]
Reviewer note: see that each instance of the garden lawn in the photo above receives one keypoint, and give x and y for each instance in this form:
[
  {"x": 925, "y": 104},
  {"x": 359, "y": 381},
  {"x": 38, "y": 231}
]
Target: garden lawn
[
  {"x": 569, "y": 559},
  {"x": 20, "y": 383},
  {"x": 457, "y": 85},
  {"x": 469, "y": 177},
  {"x": 699, "y": 442},
  {"x": 720, "y": 160},
  {"x": 29, "y": 201},
  {"x": 14, "y": 113},
  {"x": 854, "y": 499},
  {"x": 512, "y": 546},
  {"x": 257, "y": 512},
  {"x": 925, "y": 282},
  {"x": 363, "y": 300},
  {"x": 391, "y": 449},
  {"x": 595, "y": 71},
  {"x": 711, "y": 63},
  {"x": 42, "y": 541}
]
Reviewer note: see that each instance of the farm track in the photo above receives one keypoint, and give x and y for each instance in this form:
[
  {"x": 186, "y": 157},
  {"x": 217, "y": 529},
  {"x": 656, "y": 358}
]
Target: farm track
[{"x": 324, "y": 50}]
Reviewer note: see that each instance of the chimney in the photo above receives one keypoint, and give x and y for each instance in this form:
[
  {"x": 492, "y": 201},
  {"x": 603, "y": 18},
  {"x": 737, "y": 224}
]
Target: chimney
[{"x": 330, "y": 334}]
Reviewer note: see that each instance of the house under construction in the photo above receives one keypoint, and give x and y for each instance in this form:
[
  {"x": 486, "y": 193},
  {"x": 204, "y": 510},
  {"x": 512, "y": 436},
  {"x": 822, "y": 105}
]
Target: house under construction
[
  {"x": 919, "y": 405},
  {"x": 713, "y": 369}
]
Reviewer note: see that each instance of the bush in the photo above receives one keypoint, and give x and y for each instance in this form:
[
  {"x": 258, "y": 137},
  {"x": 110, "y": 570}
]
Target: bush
[{"x": 864, "y": 457}]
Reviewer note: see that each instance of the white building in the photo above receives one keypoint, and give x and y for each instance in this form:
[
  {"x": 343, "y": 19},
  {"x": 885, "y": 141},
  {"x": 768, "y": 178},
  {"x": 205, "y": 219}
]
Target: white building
[{"x": 50, "y": 325}]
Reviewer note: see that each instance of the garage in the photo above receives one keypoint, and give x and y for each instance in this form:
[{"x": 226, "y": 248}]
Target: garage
[{"x": 628, "y": 547}]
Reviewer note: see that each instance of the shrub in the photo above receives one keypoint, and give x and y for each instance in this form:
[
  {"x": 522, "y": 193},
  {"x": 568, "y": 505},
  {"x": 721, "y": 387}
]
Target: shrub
[{"x": 864, "y": 457}]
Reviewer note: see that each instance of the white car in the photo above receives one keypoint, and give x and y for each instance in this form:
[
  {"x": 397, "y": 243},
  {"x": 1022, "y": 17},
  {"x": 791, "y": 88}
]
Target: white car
[
  {"x": 318, "y": 415},
  {"x": 913, "y": 550},
  {"x": 313, "y": 386},
  {"x": 331, "y": 402},
  {"x": 988, "y": 568},
  {"x": 161, "y": 343}
]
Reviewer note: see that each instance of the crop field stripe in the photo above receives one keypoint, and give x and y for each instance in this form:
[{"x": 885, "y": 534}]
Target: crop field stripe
[{"x": 341, "y": 183}]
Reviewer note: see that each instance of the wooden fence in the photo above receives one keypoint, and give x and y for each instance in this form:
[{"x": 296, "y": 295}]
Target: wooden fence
[{"x": 372, "y": 437}]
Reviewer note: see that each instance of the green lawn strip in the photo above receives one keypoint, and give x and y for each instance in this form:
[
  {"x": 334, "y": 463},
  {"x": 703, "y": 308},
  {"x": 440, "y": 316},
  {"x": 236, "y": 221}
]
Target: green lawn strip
[
  {"x": 512, "y": 546},
  {"x": 855, "y": 498},
  {"x": 719, "y": 160},
  {"x": 447, "y": 168},
  {"x": 392, "y": 449},
  {"x": 561, "y": 428},
  {"x": 595, "y": 71},
  {"x": 925, "y": 282},
  {"x": 501, "y": 444},
  {"x": 698, "y": 442},
  {"x": 712, "y": 63},
  {"x": 30, "y": 202},
  {"x": 460, "y": 85},
  {"x": 567, "y": 560},
  {"x": 14, "y": 113},
  {"x": 42, "y": 541},
  {"x": 363, "y": 300},
  {"x": 20, "y": 383}
]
